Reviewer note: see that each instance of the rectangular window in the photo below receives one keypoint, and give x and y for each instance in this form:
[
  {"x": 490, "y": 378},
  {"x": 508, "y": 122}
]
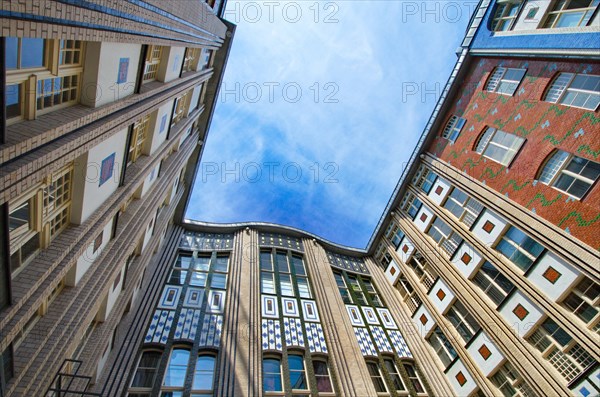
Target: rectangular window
[
  {"x": 505, "y": 81},
  {"x": 570, "y": 13},
  {"x": 576, "y": 90},
  {"x": 376, "y": 377},
  {"x": 442, "y": 346},
  {"x": 139, "y": 135},
  {"x": 510, "y": 383},
  {"x": 181, "y": 107},
  {"x": 14, "y": 102},
  {"x": 152, "y": 63},
  {"x": 303, "y": 287},
  {"x": 272, "y": 381},
  {"x": 321, "y": 371},
  {"x": 285, "y": 284},
  {"x": 205, "y": 58},
  {"x": 343, "y": 288},
  {"x": 424, "y": 179},
  {"x": 394, "y": 234},
  {"x": 70, "y": 52},
  {"x": 25, "y": 53},
  {"x": 463, "y": 321},
  {"x": 499, "y": 146},
  {"x": 558, "y": 347},
  {"x": 506, "y": 15},
  {"x": 57, "y": 91},
  {"x": 190, "y": 63},
  {"x": 464, "y": 208},
  {"x": 7, "y": 365},
  {"x": 267, "y": 283},
  {"x": 443, "y": 234},
  {"x": 411, "y": 205},
  {"x": 519, "y": 248},
  {"x": 408, "y": 293},
  {"x": 422, "y": 269},
  {"x": 584, "y": 300},
  {"x": 493, "y": 283}
]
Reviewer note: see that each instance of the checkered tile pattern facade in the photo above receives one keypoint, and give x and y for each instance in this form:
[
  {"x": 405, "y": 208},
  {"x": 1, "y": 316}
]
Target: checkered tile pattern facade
[
  {"x": 294, "y": 336},
  {"x": 212, "y": 326},
  {"x": 364, "y": 342},
  {"x": 316, "y": 338},
  {"x": 160, "y": 327},
  {"x": 381, "y": 340},
  {"x": 399, "y": 344},
  {"x": 271, "y": 335},
  {"x": 187, "y": 324}
]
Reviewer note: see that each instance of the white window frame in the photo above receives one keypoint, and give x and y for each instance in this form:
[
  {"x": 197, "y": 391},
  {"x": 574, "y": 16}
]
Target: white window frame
[
  {"x": 450, "y": 241},
  {"x": 408, "y": 293},
  {"x": 471, "y": 208},
  {"x": 586, "y": 18},
  {"x": 504, "y": 12},
  {"x": 594, "y": 323},
  {"x": 506, "y": 375},
  {"x": 196, "y": 370},
  {"x": 453, "y": 128},
  {"x": 486, "y": 142},
  {"x": 465, "y": 320},
  {"x": 136, "y": 389},
  {"x": 560, "y": 87},
  {"x": 441, "y": 346},
  {"x": 551, "y": 176},
  {"x": 497, "y": 81},
  {"x": 492, "y": 284}
]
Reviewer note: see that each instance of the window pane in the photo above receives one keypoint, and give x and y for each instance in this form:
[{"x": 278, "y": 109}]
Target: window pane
[
  {"x": 218, "y": 281},
  {"x": 282, "y": 263},
  {"x": 204, "y": 374},
  {"x": 303, "y": 287},
  {"x": 178, "y": 277},
  {"x": 202, "y": 263},
  {"x": 298, "y": 265},
  {"x": 198, "y": 279},
  {"x": 144, "y": 376},
  {"x": 272, "y": 375},
  {"x": 266, "y": 282},
  {"x": 12, "y": 45},
  {"x": 322, "y": 375},
  {"x": 285, "y": 282},
  {"x": 177, "y": 368},
  {"x": 297, "y": 375},
  {"x": 265, "y": 261},
  {"x": 183, "y": 262},
  {"x": 12, "y": 98},
  {"x": 32, "y": 53},
  {"x": 221, "y": 264}
]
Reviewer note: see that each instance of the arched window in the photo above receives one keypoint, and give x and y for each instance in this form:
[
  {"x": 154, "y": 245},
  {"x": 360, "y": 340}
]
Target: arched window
[
  {"x": 147, "y": 369},
  {"x": 204, "y": 375},
  {"x": 505, "y": 80},
  {"x": 394, "y": 374},
  {"x": 576, "y": 90},
  {"x": 499, "y": 146},
  {"x": 177, "y": 368},
  {"x": 272, "y": 375},
  {"x": 297, "y": 372},
  {"x": 453, "y": 127},
  {"x": 322, "y": 376},
  {"x": 569, "y": 173}
]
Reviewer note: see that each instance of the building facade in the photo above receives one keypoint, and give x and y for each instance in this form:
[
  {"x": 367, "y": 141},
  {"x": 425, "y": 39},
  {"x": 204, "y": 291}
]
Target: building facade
[
  {"x": 105, "y": 109},
  {"x": 481, "y": 278}
]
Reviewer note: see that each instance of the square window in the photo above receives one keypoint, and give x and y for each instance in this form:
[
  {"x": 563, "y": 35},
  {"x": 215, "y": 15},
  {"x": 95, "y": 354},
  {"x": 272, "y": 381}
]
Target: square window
[
  {"x": 405, "y": 249},
  {"x": 423, "y": 319},
  {"x": 393, "y": 271},
  {"x": 532, "y": 12},
  {"x": 488, "y": 226},
  {"x": 466, "y": 258},
  {"x": 460, "y": 377},
  {"x": 520, "y": 312},
  {"x": 423, "y": 217},
  {"x": 439, "y": 190},
  {"x": 441, "y": 294},
  {"x": 551, "y": 274},
  {"x": 485, "y": 352}
]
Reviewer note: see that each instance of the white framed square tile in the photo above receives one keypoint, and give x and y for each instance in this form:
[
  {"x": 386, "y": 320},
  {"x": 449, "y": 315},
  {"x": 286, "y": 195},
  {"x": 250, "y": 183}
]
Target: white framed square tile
[
  {"x": 290, "y": 307},
  {"x": 216, "y": 302},
  {"x": 370, "y": 315},
  {"x": 269, "y": 307},
  {"x": 386, "y": 318},
  {"x": 193, "y": 297},
  {"x": 309, "y": 309},
  {"x": 355, "y": 316},
  {"x": 170, "y": 297}
]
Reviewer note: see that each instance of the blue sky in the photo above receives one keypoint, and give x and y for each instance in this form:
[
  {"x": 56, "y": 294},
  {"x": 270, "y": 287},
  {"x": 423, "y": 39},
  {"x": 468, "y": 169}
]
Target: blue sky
[{"x": 321, "y": 106}]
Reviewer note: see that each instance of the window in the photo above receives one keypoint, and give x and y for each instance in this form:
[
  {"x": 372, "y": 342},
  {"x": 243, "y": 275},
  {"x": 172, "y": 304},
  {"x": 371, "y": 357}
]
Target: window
[
  {"x": 343, "y": 288},
  {"x": 6, "y": 365},
  {"x": 33, "y": 67},
  {"x": 463, "y": 321},
  {"x": 499, "y": 146},
  {"x": 570, "y": 13},
  {"x": 181, "y": 107},
  {"x": 272, "y": 375},
  {"x": 152, "y": 63},
  {"x": 559, "y": 348},
  {"x": 577, "y": 90},
  {"x": 394, "y": 234},
  {"x": 147, "y": 369},
  {"x": 408, "y": 293},
  {"x": 376, "y": 377},
  {"x": 569, "y": 173},
  {"x": 505, "y": 80},
  {"x": 442, "y": 346},
  {"x": 584, "y": 300},
  {"x": 297, "y": 372},
  {"x": 519, "y": 248},
  {"x": 443, "y": 234},
  {"x": 411, "y": 205},
  {"x": 394, "y": 375},
  {"x": 493, "y": 283},
  {"x": 204, "y": 375},
  {"x": 371, "y": 292},
  {"x": 357, "y": 289},
  {"x": 177, "y": 368},
  {"x": 138, "y": 138},
  {"x": 510, "y": 383},
  {"x": 506, "y": 15},
  {"x": 453, "y": 128},
  {"x": 466, "y": 209},
  {"x": 424, "y": 272},
  {"x": 414, "y": 377},
  {"x": 321, "y": 371},
  {"x": 205, "y": 58},
  {"x": 38, "y": 218},
  {"x": 424, "y": 179},
  {"x": 190, "y": 62}
]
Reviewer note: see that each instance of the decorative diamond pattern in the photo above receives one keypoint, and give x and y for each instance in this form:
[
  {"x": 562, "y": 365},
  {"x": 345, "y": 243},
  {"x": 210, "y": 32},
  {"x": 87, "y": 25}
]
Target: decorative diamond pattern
[
  {"x": 316, "y": 338},
  {"x": 293, "y": 332},
  {"x": 399, "y": 344},
  {"x": 271, "y": 335},
  {"x": 212, "y": 327},
  {"x": 160, "y": 327},
  {"x": 381, "y": 340},
  {"x": 364, "y": 342},
  {"x": 187, "y": 324}
]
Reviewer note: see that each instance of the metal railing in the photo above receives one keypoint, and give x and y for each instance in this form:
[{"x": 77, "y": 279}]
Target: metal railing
[{"x": 68, "y": 382}]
